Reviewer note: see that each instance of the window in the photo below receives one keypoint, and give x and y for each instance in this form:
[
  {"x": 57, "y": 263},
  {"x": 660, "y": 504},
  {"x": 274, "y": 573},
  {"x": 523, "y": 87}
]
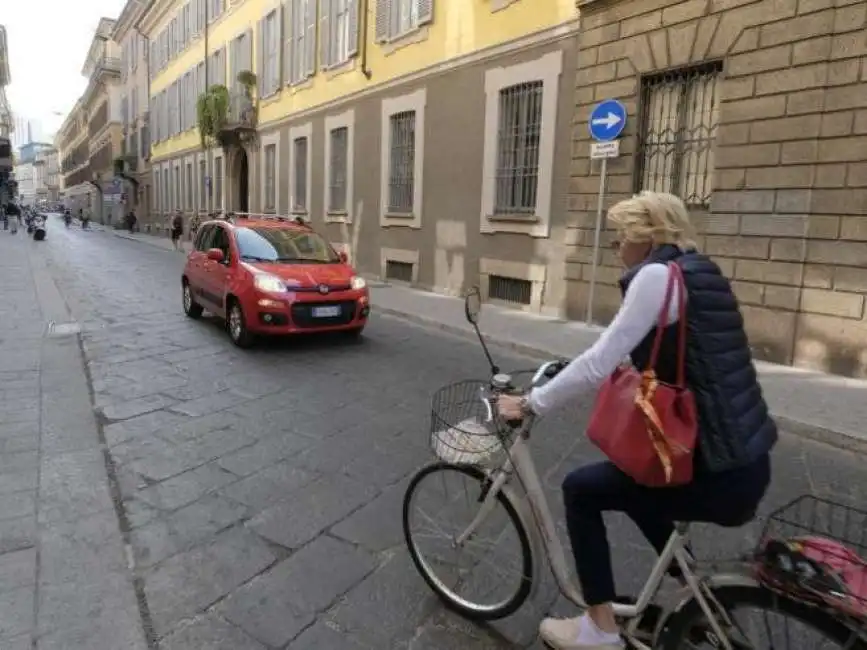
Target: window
[
  {"x": 270, "y": 178},
  {"x": 338, "y": 31},
  {"x": 300, "y": 150},
  {"x": 176, "y": 177},
  {"x": 285, "y": 245},
  {"x": 218, "y": 183},
  {"x": 521, "y": 103},
  {"x": 221, "y": 241},
  {"x": 337, "y": 164},
  {"x": 189, "y": 186},
  {"x": 270, "y": 51},
  {"x": 155, "y": 189},
  {"x": 518, "y": 133},
  {"x": 204, "y": 238},
  {"x": 165, "y": 193},
  {"x": 401, "y": 168},
  {"x": 215, "y": 9},
  {"x": 301, "y": 41},
  {"x": 203, "y": 196},
  {"x": 242, "y": 58},
  {"x": 679, "y": 119},
  {"x": 399, "y": 17}
]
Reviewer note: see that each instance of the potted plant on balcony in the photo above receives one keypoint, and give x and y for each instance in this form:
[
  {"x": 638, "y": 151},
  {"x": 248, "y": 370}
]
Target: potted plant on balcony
[
  {"x": 212, "y": 109},
  {"x": 247, "y": 79}
]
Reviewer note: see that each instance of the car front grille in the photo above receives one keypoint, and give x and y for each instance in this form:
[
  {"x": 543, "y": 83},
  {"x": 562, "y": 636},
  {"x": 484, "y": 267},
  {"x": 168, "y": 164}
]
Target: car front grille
[{"x": 302, "y": 313}]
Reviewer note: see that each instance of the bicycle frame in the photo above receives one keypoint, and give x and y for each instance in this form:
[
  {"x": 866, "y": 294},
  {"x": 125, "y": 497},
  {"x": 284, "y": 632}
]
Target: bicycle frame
[{"x": 520, "y": 462}]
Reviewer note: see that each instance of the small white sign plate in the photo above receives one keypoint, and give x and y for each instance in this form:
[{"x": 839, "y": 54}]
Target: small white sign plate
[{"x": 610, "y": 149}]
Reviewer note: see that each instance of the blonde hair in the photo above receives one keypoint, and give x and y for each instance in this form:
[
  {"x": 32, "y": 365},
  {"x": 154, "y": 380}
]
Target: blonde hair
[{"x": 654, "y": 217}]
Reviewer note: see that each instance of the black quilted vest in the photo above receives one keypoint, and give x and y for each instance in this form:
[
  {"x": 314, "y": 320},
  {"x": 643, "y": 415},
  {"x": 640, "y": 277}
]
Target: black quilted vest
[{"x": 735, "y": 427}]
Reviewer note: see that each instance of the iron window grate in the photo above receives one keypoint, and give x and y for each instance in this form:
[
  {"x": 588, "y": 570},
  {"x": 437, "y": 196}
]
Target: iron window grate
[
  {"x": 339, "y": 164},
  {"x": 518, "y": 132},
  {"x": 679, "y": 120},
  {"x": 402, "y": 163},
  {"x": 511, "y": 290},
  {"x": 400, "y": 271}
]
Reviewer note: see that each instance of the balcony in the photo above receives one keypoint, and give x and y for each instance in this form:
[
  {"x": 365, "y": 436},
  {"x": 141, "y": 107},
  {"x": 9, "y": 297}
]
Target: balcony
[
  {"x": 99, "y": 120},
  {"x": 242, "y": 117}
]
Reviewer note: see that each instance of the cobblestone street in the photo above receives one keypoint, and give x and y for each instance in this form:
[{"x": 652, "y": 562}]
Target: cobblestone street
[{"x": 257, "y": 493}]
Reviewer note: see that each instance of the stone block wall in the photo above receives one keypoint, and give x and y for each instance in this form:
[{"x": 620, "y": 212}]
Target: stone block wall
[{"x": 787, "y": 219}]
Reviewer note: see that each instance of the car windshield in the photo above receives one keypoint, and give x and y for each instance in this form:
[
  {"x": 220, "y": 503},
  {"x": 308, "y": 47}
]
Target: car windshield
[{"x": 283, "y": 245}]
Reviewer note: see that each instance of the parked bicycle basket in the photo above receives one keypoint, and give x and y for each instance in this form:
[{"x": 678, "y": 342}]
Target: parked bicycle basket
[
  {"x": 815, "y": 550},
  {"x": 460, "y": 432}
]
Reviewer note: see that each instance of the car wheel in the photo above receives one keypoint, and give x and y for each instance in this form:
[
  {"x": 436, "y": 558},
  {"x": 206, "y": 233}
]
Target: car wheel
[
  {"x": 236, "y": 325},
  {"x": 191, "y": 307}
]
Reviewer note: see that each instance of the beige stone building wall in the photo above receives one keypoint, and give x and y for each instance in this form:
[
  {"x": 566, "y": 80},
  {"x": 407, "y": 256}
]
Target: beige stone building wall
[{"x": 787, "y": 215}]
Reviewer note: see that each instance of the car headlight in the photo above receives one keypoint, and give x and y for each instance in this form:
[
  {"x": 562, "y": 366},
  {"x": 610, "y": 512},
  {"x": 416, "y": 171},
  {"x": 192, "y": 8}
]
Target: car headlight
[
  {"x": 357, "y": 282},
  {"x": 270, "y": 283}
]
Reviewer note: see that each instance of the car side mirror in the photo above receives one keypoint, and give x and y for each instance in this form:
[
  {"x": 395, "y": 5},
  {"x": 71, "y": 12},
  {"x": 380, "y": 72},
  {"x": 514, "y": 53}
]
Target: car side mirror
[
  {"x": 216, "y": 255},
  {"x": 343, "y": 257}
]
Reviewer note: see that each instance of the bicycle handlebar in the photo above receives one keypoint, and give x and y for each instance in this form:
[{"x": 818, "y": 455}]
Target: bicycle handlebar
[{"x": 489, "y": 395}]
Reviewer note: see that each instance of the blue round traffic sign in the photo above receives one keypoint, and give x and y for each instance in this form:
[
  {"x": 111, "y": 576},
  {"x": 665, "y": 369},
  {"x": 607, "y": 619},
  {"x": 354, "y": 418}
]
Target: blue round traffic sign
[{"x": 607, "y": 120}]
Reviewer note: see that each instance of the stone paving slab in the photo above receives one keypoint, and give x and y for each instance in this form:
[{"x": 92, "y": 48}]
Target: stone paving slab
[{"x": 292, "y": 496}]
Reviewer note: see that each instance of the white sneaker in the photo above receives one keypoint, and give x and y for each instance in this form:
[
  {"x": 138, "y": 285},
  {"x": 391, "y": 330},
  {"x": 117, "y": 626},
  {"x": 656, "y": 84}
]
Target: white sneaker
[{"x": 563, "y": 634}]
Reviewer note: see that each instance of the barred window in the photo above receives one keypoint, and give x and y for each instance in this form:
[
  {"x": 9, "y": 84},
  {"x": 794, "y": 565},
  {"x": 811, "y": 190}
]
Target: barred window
[
  {"x": 203, "y": 197},
  {"x": 339, "y": 167},
  {"x": 401, "y": 176},
  {"x": 300, "y": 158},
  {"x": 679, "y": 119},
  {"x": 188, "y": 186},
  {"x": 518, "y": 132},
  {"x": 270, "y": 178},
  {"x": 218, "y": 183}
]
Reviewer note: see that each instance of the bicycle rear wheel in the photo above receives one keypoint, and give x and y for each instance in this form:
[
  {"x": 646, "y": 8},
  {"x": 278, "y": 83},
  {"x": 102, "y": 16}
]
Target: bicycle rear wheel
[
  {"x": 507, "y": 553},
  {"x": 688, "y": 627}
]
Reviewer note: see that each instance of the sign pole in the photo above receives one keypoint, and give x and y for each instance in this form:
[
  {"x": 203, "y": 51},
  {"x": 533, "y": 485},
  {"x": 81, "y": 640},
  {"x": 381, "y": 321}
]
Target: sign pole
[
  {"x": 600, "y": 201},
  {"x": 606, "y": 122}
]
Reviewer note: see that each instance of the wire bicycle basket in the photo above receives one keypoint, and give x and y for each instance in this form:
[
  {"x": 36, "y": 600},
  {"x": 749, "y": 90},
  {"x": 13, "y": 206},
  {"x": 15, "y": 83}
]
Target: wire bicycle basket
[
  {"x": 460, "y": 432},
  {"x": 815, "y": 550}
]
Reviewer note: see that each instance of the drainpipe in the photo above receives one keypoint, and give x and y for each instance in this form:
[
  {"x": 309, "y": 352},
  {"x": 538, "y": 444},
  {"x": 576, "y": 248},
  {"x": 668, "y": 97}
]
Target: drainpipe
[{"x": 365, "y": 12}]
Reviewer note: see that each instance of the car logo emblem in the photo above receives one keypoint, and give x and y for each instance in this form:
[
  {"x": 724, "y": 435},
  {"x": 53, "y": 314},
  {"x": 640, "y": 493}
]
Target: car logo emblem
[{"x": 323, "y": 289}]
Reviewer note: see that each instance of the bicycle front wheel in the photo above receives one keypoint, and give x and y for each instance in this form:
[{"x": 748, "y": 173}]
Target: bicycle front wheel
[
  {"x": 782, "y": 623},
  {"x": 498, "y": 551}
]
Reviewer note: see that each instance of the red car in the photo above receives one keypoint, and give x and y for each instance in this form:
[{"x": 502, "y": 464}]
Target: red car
[{"x": 272, "y": 276}]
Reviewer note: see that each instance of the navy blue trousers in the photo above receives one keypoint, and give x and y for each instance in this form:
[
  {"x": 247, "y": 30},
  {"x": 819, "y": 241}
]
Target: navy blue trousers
[{"x": 725, "y": 498}]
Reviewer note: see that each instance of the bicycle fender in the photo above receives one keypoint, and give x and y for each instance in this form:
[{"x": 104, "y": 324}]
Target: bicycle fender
[
  {"x": 685, "y": 595},
  {"x": 519, "y": 501}
]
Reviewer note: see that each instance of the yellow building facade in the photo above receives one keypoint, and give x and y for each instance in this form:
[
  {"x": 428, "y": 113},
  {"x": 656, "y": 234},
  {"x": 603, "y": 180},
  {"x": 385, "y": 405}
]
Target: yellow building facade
[{"x": 420, "y": 135}]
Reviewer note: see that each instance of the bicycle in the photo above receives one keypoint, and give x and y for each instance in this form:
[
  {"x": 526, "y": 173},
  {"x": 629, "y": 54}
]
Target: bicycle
[{"x": 470, "y": 440}]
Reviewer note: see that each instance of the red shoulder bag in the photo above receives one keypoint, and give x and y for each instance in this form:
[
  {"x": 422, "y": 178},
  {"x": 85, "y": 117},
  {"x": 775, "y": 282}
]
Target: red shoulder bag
[{"x": 647, "y": 428}]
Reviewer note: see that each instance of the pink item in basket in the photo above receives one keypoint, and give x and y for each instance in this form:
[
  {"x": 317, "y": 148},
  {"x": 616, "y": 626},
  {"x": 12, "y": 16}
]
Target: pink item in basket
[{"x": 847, "y": 567}]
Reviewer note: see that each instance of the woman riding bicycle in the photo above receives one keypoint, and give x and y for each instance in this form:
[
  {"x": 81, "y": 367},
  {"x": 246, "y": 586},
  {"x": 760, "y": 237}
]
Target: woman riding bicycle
[{"x": 736, "y": 433}]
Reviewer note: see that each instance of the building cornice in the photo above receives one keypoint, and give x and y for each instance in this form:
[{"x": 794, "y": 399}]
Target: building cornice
[
  {"x": 128, "y": 19},
  {"x": 155, "y": 11}
]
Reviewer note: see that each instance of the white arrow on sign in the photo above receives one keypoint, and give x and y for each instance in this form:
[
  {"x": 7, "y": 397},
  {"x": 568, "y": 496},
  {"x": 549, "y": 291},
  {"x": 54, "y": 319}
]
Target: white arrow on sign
[{"x": 608, "y": 121}]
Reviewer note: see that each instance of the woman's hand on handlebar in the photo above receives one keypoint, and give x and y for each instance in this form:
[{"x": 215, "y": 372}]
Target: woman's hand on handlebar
[{"x": 510, "y": 407}]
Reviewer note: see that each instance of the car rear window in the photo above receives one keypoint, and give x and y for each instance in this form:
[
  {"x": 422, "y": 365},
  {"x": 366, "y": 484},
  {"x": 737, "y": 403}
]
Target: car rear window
[{"x": 284, "y": 245}]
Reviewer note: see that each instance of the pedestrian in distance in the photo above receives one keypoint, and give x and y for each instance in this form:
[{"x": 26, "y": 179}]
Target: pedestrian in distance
[
  {"x": 730, "y": 471},
  {"x": 177, "y": 230}
]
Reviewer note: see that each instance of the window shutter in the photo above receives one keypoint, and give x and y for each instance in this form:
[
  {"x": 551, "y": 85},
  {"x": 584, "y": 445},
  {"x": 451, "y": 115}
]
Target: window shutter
[
  {"x": 309, "y": 38},
  {"x": 194, "y": 85},
  {"x": 277, "y": 43},
  {"x": 383, "y": 15},
  {"x": 424, "y": 11},
  {"x": 260, "y": 64},
  {"x": 324, "y": 34},
  {"x": 353, "y": 27},
  {"x": 221, "y": 69},
  {"x": 289, "y": 42}
]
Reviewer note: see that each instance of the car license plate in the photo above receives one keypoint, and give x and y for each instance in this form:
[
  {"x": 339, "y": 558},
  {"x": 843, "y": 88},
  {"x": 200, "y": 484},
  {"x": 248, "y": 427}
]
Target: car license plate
[{"x": 326, "y": 312}]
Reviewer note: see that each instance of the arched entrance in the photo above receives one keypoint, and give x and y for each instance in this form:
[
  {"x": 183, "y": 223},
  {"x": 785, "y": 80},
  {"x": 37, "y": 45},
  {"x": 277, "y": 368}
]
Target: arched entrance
[{"x": 241, "y": 180}]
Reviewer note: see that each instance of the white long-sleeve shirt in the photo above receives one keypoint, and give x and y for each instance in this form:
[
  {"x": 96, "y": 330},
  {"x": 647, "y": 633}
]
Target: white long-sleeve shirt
[{"x": 637, "y": 316}]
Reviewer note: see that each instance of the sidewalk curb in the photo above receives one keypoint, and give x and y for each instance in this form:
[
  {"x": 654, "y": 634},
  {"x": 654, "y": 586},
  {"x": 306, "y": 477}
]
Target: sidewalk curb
[
  {"x": 817, "y": 433},
  {"x": 146, "y": 239}
]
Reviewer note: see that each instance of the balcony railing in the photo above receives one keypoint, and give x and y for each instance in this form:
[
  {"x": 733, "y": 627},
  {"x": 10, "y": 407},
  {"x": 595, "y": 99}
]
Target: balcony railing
[
  {"x": 242, "y": 113},
  {"x": 107, "y": 64}
]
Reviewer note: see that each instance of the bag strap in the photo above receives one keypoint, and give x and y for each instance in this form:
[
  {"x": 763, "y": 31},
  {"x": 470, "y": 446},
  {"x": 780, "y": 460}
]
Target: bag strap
[{"x": 675, "y": 276}]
